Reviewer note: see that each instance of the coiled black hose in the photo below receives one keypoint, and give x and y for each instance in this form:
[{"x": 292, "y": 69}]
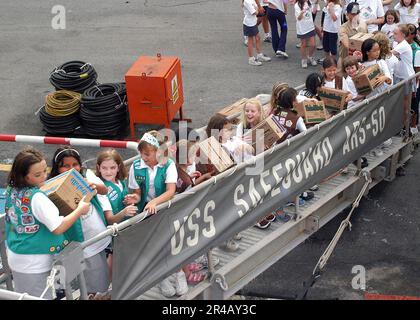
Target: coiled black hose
[
  {"x": 58, "y": 126},
  {"x": 75, "y": 76},
  {"x": 60, "y": 114},
  {"x": 103, "y": 110}
]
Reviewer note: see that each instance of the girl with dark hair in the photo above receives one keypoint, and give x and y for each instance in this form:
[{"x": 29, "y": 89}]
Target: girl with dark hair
[
  {"x": 288, "y": 118},
  {"x": 305, "y": 30},
  {"x": 292, "y": 124},
  {"x": 34, "y": 228},
  {"x": 312, "y": 84},
  {"x": 370, "y": 56},
  {"x": 91, "y": 224},
  {"x": 331, "y": 26},
  {"x": 391, "y": 22}
]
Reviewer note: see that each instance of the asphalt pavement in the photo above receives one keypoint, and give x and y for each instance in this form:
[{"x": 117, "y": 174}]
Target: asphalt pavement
[{"x": 207, "y": 37}]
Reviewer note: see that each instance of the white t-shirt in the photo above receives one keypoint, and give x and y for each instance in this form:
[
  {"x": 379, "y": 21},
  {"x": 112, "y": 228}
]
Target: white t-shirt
[
  {"x": 306, "y": 24},
  {"x": 92, "y": 223},
  {"x": 300, "y": 125},
  {"x": 278, "y": 4},
  {"x": 417, "y": 60},
  {"x": 408, "y": 14},
  {"x": 350, "y": 87},
  {"x": 384, "y": 68},
  {"x": 250, "y": 10},
  {"x": 404, "y": 68},
  {"x": 330, "y": 25},
  {"x": 371, "y": 9},
  {"x": 329, "y": 84},
  {"x": 171, "y": 177},
  {"x": 388, "y": 29},
  {"x": 263, "y": 3},
  {"x": 47, "y": 213},
  {"x": 391, "y": 62}
]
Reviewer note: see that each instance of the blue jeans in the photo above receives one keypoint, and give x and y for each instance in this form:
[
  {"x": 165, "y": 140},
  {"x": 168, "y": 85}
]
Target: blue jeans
[{"x": 274, "y": 16}]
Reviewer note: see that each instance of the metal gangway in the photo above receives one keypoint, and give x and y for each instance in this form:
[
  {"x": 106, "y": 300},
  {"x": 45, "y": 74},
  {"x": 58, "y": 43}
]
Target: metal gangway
[{"x": 260, "y": 249}]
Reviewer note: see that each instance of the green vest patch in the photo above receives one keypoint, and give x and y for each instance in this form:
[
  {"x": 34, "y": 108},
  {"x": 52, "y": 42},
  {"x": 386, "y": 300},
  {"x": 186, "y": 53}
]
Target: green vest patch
[
  {"x": 25, "y": 234},
  {"x": 116, "y": 195},
  {"x": 142, "y": 178}
]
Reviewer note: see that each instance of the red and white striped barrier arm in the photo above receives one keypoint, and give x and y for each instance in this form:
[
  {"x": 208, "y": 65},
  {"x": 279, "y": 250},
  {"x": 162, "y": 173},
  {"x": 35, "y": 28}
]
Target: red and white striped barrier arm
[{"x": 70, "y": 141}]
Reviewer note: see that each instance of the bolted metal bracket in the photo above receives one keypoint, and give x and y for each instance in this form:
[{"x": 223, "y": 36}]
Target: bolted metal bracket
[
  {"x": 311, "y": 224},
  {"x": 70, "y": 264}
]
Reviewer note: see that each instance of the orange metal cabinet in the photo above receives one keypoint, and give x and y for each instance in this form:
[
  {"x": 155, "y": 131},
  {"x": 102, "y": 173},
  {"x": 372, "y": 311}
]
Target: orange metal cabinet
[{"x": 154, "y": 90}]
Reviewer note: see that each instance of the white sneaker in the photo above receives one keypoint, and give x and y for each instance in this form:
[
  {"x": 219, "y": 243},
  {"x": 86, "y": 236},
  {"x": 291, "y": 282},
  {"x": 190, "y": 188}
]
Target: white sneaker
[
  {"x": 387, "y": 143},
  {"x": 378, "y": 152},
  {"x": 246, "y": 41},
  {"x": 167, "y": 289},
  {"x": 298, "y": 45},
  {"x": 312, "y": 61},
  {"x": 204, "y": 261},
  {"x": 267, "y": 37},
  {"x": 230, "y": 245},
  {"x": 263, "y": 58},
  {"x": 181, "y": 285},
  {"x": 283, "y": 54},
  {"x": 237, "y": 236},
  {"x": 304, "y": 63},
  {"x": 253, "y": 62}
]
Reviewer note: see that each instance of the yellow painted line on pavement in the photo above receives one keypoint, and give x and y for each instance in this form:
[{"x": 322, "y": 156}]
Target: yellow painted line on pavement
[{"x": 5, "y": 167}]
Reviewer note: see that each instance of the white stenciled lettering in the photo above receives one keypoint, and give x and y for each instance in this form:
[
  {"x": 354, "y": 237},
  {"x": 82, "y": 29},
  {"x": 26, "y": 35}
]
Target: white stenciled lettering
[
  {"x": 328, "y": 150},
  {"x": 265, "y": 186},
  {"x": 192, "y": 241},
  {"x": 253, "y": 193},
  {"x": 276, "y": 168},
  {"x": 297, "y": 173},
  {"x": 210, "y": 231},
  {"x": 362, "y": 132},
  {"x": 318, "y": 158},
  {"x": 290, "y": 166},
  {"x": 375, "y": 124},
  {"x": 381, "y": 118},
  {"x": 240, "y": 202},
  {"x": 307, "y": 166},
  {"x": 354, "y": 140},
  {"x": 179, "y": 228},
  {"x": 346, "y": 145}
]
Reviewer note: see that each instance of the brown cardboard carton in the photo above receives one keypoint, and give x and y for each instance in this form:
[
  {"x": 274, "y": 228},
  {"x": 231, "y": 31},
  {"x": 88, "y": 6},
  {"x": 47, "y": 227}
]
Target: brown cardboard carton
[
  {"x": 314, "y": 111},
  {"x": 271, "y": 131},
  {"x": 334, "y": 99},
  {"x": 367, "y": 79},
  {"x": 355, "y": 42},
  {"x": 212, "y": 152},
  {"x": 234, "y": 108},
  {"x": 66, "y": 190}
]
